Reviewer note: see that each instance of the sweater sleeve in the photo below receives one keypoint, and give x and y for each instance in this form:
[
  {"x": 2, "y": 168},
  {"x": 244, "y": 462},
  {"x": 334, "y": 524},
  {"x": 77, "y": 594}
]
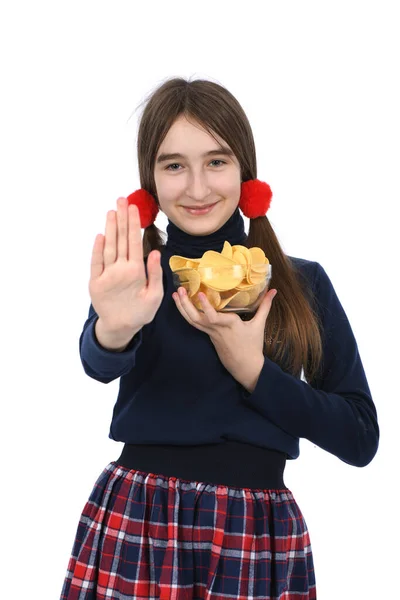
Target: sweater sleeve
[
  {"x": 335, "y": 411},
  {"x": 99, "y": 363}
]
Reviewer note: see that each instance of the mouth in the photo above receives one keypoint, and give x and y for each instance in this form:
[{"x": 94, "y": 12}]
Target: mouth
[{"x": 203, "y": 210}]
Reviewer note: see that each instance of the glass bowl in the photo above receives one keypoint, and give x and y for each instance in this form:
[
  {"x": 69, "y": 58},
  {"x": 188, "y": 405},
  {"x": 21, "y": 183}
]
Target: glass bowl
[{"x": 237, "y": 288}]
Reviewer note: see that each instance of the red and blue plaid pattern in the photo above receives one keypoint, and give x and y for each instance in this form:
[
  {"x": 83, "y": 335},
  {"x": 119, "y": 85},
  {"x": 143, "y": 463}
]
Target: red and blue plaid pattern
[{"x": 144, "y": 536}]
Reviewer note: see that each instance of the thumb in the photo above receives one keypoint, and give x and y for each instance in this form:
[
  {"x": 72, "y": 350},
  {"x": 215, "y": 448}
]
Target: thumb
[{"x": 265, "y": 306}]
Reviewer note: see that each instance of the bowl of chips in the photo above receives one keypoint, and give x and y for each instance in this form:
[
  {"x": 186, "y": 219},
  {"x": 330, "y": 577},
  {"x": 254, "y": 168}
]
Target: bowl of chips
[{"x": 233, "y": 280}]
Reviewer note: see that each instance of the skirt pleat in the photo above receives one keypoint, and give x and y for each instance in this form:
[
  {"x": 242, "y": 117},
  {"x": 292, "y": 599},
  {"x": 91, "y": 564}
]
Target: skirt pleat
[{"x": 148, "y": 536}]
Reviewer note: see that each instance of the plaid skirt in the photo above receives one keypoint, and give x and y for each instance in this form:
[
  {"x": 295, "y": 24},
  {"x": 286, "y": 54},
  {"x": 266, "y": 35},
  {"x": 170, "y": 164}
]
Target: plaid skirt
[{"x": 144, "y": 535}]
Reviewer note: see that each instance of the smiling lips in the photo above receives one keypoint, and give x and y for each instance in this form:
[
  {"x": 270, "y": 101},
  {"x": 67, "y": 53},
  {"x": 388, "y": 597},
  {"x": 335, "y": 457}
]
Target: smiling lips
[{"x": 200, "y": 211}]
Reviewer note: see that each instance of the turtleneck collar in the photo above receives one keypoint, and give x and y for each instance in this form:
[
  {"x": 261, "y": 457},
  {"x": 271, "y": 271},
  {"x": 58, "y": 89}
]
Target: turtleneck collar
[{"x": 193, "y": 246}]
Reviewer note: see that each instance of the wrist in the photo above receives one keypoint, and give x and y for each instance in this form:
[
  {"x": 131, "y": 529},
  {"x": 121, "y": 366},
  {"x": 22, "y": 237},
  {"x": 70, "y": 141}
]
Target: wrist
[
  {"x": 252, "y": 375},
  {"x": 113, "y": 339}
]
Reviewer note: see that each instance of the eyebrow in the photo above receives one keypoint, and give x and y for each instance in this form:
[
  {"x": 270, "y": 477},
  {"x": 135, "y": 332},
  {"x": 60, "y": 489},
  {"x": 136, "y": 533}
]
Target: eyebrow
[{"x": 224, "y": 150}]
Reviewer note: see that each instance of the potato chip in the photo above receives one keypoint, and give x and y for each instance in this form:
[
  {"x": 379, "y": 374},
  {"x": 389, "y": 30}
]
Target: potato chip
[
  {"x": 214, "y": 259},
  {"x": 213, "y": 297},
  {"x": 192, "y": 263},
  {"x": 227, "y": 250},
  {"x": 240, "y": 299},
  {"x": 243, "y": 300},
  {"x": 245, "y": 251},
  {"x": 244, "y": 286},
  {"x": 220, "y": 278},
  {"x": 251, "y": 258},
  {"x": 189, "y": 279},
  {"x": 225, "y": 299},
  {"x": 255, "y": 291},
  {"x": 255, "y": 275},
  {"x": 260, "y": 268},
  {"x": 234, "y": 277},
  {"x": 240, "y": 258},
  {"x": 177, "y": 262},
  {"x": 257, "y": 256}
]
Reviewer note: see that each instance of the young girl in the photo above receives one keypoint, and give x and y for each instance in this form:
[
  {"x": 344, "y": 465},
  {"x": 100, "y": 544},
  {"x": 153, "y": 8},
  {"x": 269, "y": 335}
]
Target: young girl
[{"x": 210, "y": 405}]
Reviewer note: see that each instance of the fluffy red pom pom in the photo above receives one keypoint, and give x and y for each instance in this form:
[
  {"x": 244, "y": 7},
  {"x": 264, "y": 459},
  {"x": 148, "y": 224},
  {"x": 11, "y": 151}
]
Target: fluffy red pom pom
[
  {"x": 147, "y": 206},
  {"x": 255, "y": 198}
]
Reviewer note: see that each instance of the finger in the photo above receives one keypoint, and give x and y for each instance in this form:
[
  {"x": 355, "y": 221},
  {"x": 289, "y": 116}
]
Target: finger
[
  {"x": 216, "y": 317},
  {"x": 209, "y": 318},
  {"x": 265, "y": 307},
  {"x": 135, "y": 249},
  {"x": 179, "y": 306},
  {"x": 122, "y": 224},
  {"x": 97, "y": 261},
  {"x": 185, "y": 310},
  {"x": 110, "y": 246},
  {"x": 188, "y": 306},
  {"x": 209, "y": 311},
  {"x": 154, "y": 274}
]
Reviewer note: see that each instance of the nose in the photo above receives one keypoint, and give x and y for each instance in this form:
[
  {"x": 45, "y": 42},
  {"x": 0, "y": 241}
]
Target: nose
[{"x": 198, "y": 188}]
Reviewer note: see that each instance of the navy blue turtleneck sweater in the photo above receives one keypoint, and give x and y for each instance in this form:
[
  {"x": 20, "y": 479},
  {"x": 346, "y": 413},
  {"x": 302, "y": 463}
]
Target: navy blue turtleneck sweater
[{"x": 174, "y": 390}]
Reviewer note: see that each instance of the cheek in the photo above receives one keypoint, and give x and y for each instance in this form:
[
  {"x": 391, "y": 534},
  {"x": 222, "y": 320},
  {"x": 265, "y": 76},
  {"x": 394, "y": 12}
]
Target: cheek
[
  {"x": 173, "y": 196},
  {"x": 232, "y": 191},
  {"x": 168, "y": 189},
  {"x": 231, "y": 185}
]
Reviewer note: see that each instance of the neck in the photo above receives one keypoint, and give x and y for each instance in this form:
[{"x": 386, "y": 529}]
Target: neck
[{"x": 193, "y": 246}]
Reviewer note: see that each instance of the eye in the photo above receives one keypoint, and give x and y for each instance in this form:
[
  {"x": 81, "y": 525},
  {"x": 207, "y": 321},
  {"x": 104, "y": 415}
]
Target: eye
[{"x": 216, "y": 160}]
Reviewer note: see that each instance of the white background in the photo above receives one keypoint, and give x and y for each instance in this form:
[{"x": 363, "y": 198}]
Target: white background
[{"x": 319, "y": 82}]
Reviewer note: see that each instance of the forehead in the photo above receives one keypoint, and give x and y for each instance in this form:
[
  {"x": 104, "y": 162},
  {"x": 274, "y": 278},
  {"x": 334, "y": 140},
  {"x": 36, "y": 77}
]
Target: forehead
[{"x": 189, "y": 134}]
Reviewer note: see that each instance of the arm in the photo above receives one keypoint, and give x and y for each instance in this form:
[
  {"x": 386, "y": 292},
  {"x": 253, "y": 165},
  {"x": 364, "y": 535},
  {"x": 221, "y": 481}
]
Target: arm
[
  {"x": 101, "y": 363},
  {"x": 106, "y": 356},
  {"x": 336, "y": 410}
]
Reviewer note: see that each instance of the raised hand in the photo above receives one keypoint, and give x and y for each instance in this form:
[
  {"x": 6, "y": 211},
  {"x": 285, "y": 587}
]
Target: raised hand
[{"x": 121, "y": 294}]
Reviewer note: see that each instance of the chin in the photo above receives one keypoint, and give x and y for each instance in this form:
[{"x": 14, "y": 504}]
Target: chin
[{"x": 202, "y": 226}]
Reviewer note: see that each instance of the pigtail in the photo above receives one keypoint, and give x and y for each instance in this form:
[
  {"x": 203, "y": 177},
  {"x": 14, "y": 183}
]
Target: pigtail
[
  {"x": 293, "y": 329},
  {"x": 153, "y": 239}
]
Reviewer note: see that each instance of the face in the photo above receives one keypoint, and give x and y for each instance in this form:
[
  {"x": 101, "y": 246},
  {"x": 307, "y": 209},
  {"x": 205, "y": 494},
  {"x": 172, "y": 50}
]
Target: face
[{"x": 193, "y": 171}]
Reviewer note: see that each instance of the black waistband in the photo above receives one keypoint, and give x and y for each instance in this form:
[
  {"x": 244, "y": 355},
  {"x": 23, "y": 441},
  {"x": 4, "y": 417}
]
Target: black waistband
[{"x": 230, "y": 463}]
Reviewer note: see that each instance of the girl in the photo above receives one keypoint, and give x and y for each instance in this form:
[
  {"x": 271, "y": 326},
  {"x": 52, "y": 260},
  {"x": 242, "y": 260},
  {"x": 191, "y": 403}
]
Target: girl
[{"x": 210, "y": 405}]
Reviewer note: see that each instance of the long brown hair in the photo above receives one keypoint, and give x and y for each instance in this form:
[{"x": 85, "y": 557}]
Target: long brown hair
[{"x": 293, "y": 330}]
